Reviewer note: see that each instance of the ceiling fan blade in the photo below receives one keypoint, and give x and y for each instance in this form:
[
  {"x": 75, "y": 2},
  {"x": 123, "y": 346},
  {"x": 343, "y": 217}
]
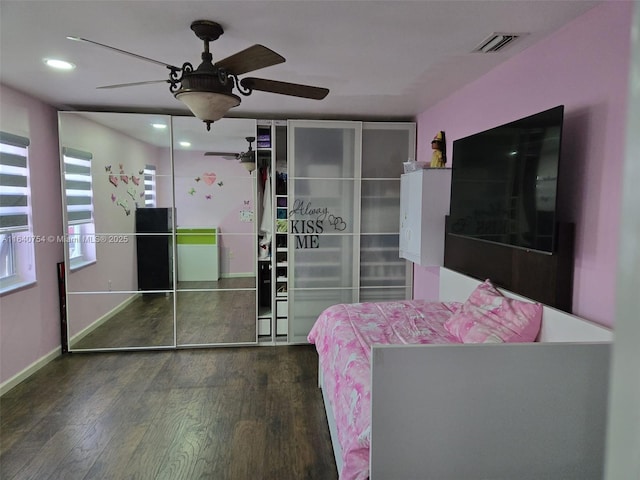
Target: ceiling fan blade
[
  {"x": 120, "y": 85},
  {"x": 250, "y": 59},
  {"x": 226, "y": 155},
  {"x": 134, "y": 55},
  {"x": 285, "y": 88}
]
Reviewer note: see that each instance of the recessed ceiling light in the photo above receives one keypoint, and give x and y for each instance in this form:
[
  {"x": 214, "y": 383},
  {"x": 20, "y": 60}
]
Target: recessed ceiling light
[
  {"x": 159, "y": 126},
  {"x": 185, "y": 144},
  {"x": 59, "y": 64}
]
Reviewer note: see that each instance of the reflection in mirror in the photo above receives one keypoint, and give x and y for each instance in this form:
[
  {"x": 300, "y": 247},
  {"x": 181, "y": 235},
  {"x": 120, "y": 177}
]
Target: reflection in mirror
[
  {"x": 139, "y": 320},
  {"x": 215, "y": 233},
  {"x": 113, "y": 164}
]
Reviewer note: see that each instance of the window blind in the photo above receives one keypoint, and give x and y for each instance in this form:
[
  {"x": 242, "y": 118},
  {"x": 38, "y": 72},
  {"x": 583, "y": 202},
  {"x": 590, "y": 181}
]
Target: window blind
[
  {"x": 78, "y": 186},
  {"x": 14, "y": 183},
  {"x": 149, "y": 186}
]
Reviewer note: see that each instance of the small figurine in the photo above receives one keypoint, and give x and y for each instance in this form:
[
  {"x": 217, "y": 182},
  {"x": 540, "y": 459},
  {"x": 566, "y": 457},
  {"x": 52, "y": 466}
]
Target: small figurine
[{"x": 439, "y": 155}]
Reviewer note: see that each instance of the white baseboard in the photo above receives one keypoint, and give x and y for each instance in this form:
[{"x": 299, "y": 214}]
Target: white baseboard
[
  {"x": 30, "y": 370},
  {"x": 55, "y": 353},
  {"x": 238, "y": 275}
]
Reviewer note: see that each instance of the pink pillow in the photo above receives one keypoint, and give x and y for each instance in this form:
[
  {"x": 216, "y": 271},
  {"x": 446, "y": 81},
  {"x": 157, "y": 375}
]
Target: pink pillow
[{"x": 489, "y": 317}]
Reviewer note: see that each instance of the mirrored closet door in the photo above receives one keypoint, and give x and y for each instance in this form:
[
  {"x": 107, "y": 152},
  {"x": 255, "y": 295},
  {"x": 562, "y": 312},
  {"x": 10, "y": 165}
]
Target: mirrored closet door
[
  {"x": 215, "y": 232},
  {"x": 157, "y": 226},
  {"x": 113, "y": 164}
]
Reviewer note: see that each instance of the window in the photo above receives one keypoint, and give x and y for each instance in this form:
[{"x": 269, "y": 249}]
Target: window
[
  {"x": 17, "y": 264},
  {"x": 79, "y": 200},
  {"x": 150, "y": 186}
]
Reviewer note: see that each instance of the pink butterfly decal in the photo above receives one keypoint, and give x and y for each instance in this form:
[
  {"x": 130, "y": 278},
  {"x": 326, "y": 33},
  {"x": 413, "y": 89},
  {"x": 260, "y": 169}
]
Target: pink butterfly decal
[
  {"x": 135, "y": 180},
  {"x": 114, "y": 180},
  {"x": 124, "y": 179},
  {"x": 209, "y": 178}
]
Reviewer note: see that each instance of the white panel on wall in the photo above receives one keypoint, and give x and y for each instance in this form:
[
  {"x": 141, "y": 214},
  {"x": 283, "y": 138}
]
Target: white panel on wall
[{"x": 424, "y": 204}]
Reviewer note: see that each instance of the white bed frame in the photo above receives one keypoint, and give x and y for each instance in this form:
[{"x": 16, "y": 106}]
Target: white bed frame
[{"x": 493, "y": 411}]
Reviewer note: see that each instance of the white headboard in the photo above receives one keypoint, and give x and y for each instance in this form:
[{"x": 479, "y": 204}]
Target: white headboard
[{"x": 557, "y": 326}]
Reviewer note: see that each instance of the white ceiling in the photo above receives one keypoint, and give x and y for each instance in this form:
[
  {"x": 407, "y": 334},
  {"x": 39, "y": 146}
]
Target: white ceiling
[{"x": 380, "y": 59}]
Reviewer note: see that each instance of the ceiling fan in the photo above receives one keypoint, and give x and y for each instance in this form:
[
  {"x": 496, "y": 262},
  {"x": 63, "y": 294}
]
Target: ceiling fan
[
  {"x": 248, "y": 156},
  {"x": 208, "y": 90},
  {"x": 247, "y": 159}
]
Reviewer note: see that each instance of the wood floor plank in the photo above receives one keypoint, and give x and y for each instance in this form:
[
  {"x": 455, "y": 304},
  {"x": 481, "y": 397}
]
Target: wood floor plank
[
  {"x": 247, "y": 450},
  {"x": 224, "y": 414},
  {"x": 195, "y": 436},
  {"x": 117, "y": 452},
  {"x": 164, "y": 428},
  {"x": 51, "y": 454}
]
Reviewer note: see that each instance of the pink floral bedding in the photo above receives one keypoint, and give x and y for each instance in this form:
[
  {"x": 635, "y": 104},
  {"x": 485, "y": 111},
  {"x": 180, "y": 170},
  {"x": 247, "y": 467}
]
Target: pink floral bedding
[{"x": 343, "y": 335}]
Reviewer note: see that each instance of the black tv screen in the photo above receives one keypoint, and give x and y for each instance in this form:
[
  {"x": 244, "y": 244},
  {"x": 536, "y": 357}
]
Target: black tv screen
[{"x": 504, "y": 182}]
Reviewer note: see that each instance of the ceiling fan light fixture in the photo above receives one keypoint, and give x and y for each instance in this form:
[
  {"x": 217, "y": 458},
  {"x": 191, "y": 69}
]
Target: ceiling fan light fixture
[
  {"x": 208, "y": 106},
  {"x": 250, "y": 165}
]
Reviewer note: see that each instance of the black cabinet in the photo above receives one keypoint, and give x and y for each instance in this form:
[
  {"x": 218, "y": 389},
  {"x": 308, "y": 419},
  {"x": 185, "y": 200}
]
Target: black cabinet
[{"x": 154, "y": 251}]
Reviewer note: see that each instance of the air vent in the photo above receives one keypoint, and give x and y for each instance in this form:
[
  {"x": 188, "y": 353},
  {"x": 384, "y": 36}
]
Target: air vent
[{"x": 496, "y": 42}]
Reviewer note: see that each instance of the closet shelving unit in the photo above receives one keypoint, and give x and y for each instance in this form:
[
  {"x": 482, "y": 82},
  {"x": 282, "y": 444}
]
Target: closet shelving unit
[
  {"x": 281, "y": 231},
  {"x": 264, "y": 154},
  {"x": 271, "y": 149}
]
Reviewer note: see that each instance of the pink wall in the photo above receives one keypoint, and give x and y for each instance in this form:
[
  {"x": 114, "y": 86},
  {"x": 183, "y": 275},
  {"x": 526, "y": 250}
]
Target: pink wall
[
  {"x": 583, "y": 66},
  {"x": 29, "y": 318}
]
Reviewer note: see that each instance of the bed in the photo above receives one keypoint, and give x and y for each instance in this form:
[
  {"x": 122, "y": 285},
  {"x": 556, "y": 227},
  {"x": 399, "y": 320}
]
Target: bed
[{"x": 407, "y": 398}]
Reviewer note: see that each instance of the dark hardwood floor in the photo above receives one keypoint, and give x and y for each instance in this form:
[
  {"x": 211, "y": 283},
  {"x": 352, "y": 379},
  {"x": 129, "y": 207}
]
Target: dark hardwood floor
[{"x": 226, "y": 413}]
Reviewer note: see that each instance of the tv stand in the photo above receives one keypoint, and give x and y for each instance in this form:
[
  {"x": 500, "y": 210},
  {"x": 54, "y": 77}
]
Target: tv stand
[{"x": 546, "y": 278}]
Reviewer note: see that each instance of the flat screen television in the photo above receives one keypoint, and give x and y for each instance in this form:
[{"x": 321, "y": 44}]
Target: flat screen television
[{"x": 504, "y": 182}]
